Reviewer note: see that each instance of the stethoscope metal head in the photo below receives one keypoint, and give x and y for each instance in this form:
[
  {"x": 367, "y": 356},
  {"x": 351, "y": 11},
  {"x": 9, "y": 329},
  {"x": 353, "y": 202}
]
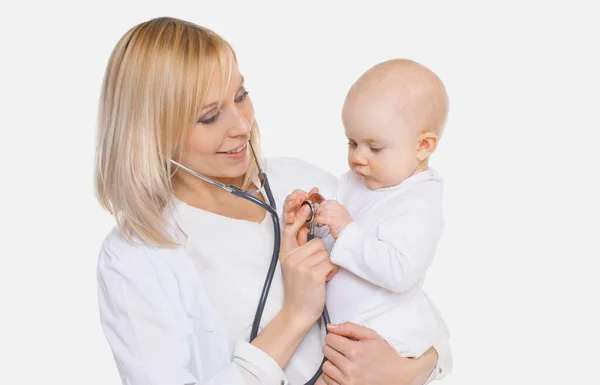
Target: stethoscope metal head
[{"x": 313, "y": 202}]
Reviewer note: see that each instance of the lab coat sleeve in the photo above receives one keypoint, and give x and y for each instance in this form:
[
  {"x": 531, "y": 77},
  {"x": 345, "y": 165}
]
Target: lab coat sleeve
[
  {"x": 151, "y": 346},
  {"x": 396, "y": 254}
]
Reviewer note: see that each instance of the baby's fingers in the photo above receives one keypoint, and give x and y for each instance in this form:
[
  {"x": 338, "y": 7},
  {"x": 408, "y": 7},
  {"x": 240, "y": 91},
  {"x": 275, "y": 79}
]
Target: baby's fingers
[{"x": 324, "y": 217}]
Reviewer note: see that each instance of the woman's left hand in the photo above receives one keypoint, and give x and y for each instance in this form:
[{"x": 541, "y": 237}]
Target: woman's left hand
[{"x": 358, "y": 355}]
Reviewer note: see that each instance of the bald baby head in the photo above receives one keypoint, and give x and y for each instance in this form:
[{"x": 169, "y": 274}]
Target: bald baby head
[
  {"x": 393, "y": 115},
  {"x": 412, "y": 90}
]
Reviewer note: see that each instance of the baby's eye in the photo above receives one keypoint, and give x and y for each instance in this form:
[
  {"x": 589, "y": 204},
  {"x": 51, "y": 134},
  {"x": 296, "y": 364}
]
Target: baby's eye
[
  {"x": 351, "y": 143},
  {"x": 376, "y": 149}
]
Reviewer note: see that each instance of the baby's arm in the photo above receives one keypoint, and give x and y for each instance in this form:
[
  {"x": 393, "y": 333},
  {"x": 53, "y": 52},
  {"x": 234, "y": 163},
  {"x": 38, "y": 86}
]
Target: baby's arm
[{"x": 395, "y": 254}]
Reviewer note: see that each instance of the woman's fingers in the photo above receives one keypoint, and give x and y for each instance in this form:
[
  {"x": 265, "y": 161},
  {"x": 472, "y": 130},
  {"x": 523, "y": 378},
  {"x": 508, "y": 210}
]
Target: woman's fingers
[
  {"x": 302, "y": 236},
  {"x": 336, "y": 360},
  {"x": 302, "y": 253},
  {"x": 321, "y": 265},
  {"x": 353, "y": 331},
  {"x": 316, "y": 259},
  {"x": 317, "y": 265},
  {"x": 291, "y": 204},
  {"x": 293, "y": 201},
  {"x": 289, "y": 240},
  {"x": 323, "y": 270},
  {"x": 341, "y": 344},
  {"x": 330, "y": 372},
  {"x": 332, "y": 273},
  {"x": 288, "y": 212}
]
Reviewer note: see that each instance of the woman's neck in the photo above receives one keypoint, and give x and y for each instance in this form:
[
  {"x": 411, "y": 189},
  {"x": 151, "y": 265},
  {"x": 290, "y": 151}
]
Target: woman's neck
[
  {"x": 193, "y": 190},
  {"x": 203, "y": 195}
]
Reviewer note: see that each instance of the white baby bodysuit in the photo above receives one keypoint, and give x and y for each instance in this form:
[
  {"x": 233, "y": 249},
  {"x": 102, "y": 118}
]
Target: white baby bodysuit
[{"x": 383, "y": 255}]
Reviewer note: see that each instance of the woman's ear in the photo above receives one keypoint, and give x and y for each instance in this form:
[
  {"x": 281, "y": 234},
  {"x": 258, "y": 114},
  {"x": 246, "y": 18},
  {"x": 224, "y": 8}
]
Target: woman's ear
[{"x": 426, "y": 145}]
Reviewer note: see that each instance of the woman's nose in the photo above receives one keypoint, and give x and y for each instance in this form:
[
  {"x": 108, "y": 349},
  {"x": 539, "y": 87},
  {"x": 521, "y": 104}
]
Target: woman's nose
[{"x": 240, "y": 124}]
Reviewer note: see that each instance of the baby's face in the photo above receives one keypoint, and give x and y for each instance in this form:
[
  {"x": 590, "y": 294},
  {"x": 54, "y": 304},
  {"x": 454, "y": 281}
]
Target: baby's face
[{"x": 382, "y": 148}]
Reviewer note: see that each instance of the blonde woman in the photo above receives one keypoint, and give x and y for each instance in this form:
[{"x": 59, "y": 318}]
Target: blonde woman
[{"x": 181, "y": 274}]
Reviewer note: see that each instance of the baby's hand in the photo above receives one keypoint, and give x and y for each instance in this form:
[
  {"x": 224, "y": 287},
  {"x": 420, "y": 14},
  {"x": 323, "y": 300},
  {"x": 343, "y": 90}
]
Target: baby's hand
[
  {"x": 332, "y": 214},
  {"x": 293, "y": 202}
]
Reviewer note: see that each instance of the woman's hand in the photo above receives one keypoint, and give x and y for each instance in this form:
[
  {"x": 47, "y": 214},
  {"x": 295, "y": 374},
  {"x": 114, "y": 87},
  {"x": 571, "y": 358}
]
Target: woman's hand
[
  {"x": 305, "y": 267},
  {"x": 291, "y": 206},
  {"x": 292, "y": 203},
  {"x": 358, "y": 355}
]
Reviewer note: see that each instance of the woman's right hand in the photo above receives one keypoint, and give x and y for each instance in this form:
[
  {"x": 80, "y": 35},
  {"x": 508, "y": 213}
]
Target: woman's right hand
[{"x": 305, "y": 266}]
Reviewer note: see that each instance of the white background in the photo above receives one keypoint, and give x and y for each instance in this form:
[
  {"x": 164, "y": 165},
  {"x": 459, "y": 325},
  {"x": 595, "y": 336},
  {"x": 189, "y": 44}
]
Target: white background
[{"x": 516, "y": 276}]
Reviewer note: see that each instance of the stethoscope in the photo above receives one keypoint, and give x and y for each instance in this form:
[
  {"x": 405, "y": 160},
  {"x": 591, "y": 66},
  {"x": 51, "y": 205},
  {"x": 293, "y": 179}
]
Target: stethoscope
[{"x": 271, "y": 209}]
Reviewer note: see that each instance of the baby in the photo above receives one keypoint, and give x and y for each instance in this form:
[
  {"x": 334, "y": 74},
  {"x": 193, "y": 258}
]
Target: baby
[{"x": 386, "y": 213}]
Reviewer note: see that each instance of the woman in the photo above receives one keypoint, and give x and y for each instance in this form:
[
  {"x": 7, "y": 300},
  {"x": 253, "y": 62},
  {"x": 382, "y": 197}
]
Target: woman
[{"x": 181, "y": 275}]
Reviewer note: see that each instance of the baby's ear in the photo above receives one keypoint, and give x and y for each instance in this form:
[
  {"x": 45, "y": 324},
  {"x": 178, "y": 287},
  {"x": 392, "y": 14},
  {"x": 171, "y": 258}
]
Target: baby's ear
[{"x": 426, "y": 145}]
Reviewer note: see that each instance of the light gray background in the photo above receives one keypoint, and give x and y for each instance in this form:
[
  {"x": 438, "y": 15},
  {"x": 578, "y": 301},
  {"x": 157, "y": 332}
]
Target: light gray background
[{"x": 516, "y": 275}]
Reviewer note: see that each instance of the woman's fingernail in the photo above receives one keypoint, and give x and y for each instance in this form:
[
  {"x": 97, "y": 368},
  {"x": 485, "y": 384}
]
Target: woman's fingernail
[
  {"x": 331, "y": 326},
  {"x": 305, "y": 209}
]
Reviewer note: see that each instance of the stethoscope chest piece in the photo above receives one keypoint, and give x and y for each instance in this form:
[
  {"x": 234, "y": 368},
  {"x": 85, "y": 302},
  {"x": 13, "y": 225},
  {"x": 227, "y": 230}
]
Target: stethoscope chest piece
[{"x": 313, "y": 202}]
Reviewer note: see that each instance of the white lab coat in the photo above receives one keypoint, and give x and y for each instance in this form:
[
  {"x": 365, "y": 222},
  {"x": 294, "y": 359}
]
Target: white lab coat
[{"x": 162, "y": 327}]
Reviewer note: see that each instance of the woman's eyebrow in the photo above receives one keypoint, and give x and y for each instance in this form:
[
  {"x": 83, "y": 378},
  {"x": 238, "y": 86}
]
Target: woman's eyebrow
[{"x": 216, "y": 103}]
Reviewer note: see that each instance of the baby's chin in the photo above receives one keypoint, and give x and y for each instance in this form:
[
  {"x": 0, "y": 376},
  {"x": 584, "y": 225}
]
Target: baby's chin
[
  {"x": 372, "y": 183},
  {"x": 375, "y": 184}
]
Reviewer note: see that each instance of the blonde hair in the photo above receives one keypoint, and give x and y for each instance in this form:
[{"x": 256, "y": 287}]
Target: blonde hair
[{"x": 155, "y": 84}]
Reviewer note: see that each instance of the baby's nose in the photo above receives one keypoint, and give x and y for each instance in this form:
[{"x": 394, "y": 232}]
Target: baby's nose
[{"x": 358, "y": 158}]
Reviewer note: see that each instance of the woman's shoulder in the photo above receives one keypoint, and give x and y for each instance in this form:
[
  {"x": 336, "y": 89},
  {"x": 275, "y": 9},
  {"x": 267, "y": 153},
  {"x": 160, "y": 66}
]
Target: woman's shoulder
[
  {"x": 118, "y": 253},
  {"x": 115, "y": 243},
  {"x": 117, "y": 250},
  {"x": 286, "y": 174}
]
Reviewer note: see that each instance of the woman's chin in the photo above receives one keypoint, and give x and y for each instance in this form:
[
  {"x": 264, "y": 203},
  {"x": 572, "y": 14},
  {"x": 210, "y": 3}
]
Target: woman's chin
[{"x": 236, "y": 171}]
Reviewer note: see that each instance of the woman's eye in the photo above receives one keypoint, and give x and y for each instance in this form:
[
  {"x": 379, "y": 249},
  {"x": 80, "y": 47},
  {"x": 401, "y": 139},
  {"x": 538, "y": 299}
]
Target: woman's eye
[
  {"x": 242, "y": 97},
  {"x": 209, "y": 120}
]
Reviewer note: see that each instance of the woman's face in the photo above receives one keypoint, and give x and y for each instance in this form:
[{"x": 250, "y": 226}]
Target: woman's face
[{"x": 217, "y": 143}]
